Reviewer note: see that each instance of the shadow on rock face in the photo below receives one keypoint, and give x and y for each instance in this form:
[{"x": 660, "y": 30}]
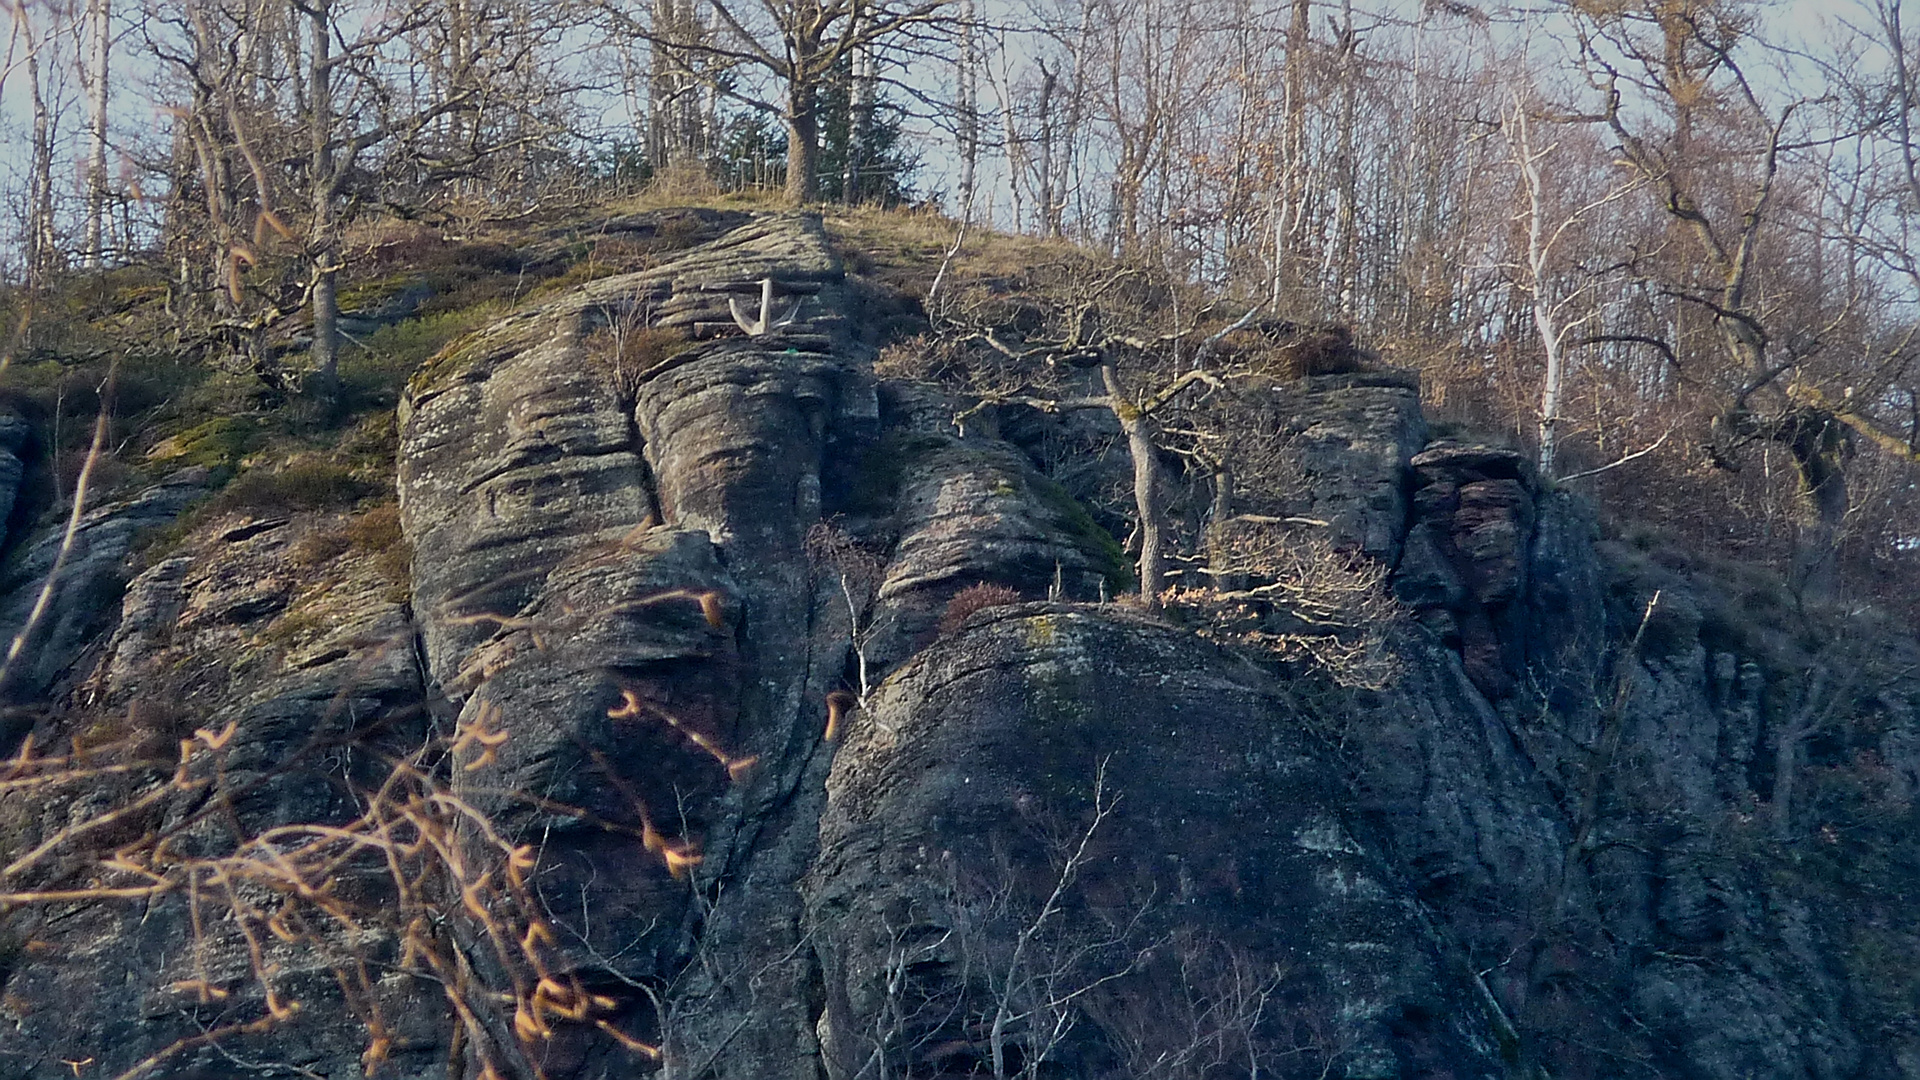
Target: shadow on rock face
[{"x": 1111, "y": 842}]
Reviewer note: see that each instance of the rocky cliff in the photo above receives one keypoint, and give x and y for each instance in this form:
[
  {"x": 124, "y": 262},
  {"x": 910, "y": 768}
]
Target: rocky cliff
[{"x": 646, "y": 733}]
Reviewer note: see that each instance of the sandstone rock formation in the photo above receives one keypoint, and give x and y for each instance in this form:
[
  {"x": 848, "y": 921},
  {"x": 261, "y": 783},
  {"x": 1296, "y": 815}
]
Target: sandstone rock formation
[{"x": 1063, "y": 840}]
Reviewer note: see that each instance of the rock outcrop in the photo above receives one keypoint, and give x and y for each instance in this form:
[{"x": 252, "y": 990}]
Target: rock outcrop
[
  {"x": 1026, "y": 824},
  {"x": 671, "y": 639},
  {"x": 297, "y": 645},
  {"x": 63, "y": 614}
]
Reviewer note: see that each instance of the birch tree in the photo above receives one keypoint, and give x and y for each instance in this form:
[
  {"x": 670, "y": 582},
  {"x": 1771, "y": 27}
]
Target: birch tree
[
  {"x": 99, "y": 23},
  {"x": 39, "y": 57},
  {"x": 1559, "y": 307},
  {"x": 680, "y": 116}
]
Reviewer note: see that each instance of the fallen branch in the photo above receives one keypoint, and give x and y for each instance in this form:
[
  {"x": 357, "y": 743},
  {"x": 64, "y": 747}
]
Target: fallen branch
[{"x": 1618, "y": 461}]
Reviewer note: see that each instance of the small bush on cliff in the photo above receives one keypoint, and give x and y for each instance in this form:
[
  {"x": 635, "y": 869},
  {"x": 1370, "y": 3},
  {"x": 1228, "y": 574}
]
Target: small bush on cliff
[
  {"x": 376, "y": 530},
  {"x": 627, "y": 347},
  {"x": 318, "y": 548},
  {"x": 975, "y": 598},
  {"x": 1300, "y": 600},
  {"x": 378, "y": 533}
]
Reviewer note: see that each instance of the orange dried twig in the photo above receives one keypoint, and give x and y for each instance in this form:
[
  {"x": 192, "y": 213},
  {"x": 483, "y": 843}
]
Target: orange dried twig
[
  {"x": 644, "y": 1049},
  {"x": 839, "y": 703}
]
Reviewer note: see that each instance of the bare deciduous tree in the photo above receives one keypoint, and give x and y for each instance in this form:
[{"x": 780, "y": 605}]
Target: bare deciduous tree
[
  {"x": 1691, "y": 121},
  {"x": 1087, "y": 345},
  {"x": 99, "y": 23},
  {"x": 797, "y": 44},
  {"x": 858, "y": 574},
  {"x": 353, "y": 87},
  {"x": 1559, "y": 307}
]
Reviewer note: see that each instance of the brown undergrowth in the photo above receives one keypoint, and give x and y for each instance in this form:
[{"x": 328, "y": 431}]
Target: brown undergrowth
[
  {"x": 1290, "y": 594},
  {"x": 418, "y": 883}
]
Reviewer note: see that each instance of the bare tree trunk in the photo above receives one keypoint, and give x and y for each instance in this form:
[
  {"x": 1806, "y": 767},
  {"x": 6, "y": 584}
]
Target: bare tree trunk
[
  {"x": 326, "y": 328},
  {"x": 969, "y": 107},
  {"x": 860, "y": 93},
  {"x": 1012, "y": 140},
  {"x": 803, "y": 146},
  {"x": 1786, "y": 765},
  {"x": 707, "y": 122},
  {"x": 1817, "y": 442},
  {"x": 1786, "y": 751},
  {"x": 1343, "y": 253},
  {"x": 1550, "y": 385},
  {"x": 1292, "y": 209},
  {"x": 1219, "y": 559},
  {"x": 660, "y": 85},
  {"x": 40, "y": 239},
  {"x": 322, "y": 245},
  {"x": 1147, "y": 501},
  {"x": 99, "y": 19},
  {"x": 1049, "y": 201},
  {"x": 1545, "y": 324},
  {"x": 453, "y": 71},
  {"x": 1071, "y": 177},
  {"x": 676, "y": 136}
]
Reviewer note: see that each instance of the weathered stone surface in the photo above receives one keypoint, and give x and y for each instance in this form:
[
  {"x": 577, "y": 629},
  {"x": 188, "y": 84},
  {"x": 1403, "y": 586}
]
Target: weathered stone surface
[
  {"x": 16, "y": 446},
  {"x": 501, "y": 473},
  {"x": 195, "y": 650},
  {"x": 86, "y": 590},
  {"x": 1427, "y": 576},
  {"x": 969, "y": 512},
  {"x": 1566, "y": 615},
  {"x": 1533, "y": 851},
  {"x": 1467, "y": 553},
  {"x": 529, "y": 484},
  {"x": 1446, "y": 460},
  {"x": 969, "y": 779},
  {"x": 1351, "y": 436},
  {"x": 1491, "y": 529},
  {"x": 619, "y": 616}
]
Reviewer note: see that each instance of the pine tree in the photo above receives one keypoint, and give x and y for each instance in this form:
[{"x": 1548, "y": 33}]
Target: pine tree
[{"x": 864, "y": 155}]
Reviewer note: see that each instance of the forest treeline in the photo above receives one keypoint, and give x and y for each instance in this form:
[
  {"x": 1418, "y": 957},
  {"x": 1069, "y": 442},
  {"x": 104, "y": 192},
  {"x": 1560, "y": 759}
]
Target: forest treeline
[{"x": 1664, "y": 245}]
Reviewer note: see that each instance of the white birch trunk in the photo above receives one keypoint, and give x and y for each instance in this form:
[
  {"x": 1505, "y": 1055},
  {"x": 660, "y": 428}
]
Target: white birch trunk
[
  {"x": 100, "y": 24},
  {"x": 40, "y": 239},
  {"x": 1545, "y": 323},
  {"x": 860, "y": 96},
  {"x": 969, "y": 128}
]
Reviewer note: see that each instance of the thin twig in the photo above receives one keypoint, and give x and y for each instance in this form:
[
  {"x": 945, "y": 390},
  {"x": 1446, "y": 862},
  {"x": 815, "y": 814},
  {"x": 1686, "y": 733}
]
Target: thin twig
[
  {"x": 1619, "y": 461},
  {"x": 45, "y": 599}
]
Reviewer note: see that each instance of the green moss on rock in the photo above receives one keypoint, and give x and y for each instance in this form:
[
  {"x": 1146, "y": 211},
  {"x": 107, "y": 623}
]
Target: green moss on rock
[
  {"x": 876, "y": 479},
  {"x": 491, "y": 342},
  {"x": 1096, "y": 543},
  {"x": 220, "y": 443}
]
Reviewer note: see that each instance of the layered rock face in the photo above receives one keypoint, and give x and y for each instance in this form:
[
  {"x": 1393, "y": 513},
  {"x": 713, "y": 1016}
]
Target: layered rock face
[{"x": 675, "y": 614}]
